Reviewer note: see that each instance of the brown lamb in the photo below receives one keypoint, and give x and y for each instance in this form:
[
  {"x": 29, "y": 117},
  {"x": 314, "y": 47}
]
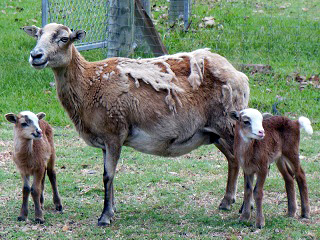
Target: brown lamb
[
  {"x": 34, "y": 154},
  {"x": 260, "y": 142}
]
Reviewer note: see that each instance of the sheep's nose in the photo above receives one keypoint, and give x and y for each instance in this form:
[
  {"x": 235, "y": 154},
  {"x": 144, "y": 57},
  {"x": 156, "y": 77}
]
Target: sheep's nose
[
  {"x": 38, "y": 131},
  {"x": 261, "y": 133},
  {"x": 36, "y": 54}
]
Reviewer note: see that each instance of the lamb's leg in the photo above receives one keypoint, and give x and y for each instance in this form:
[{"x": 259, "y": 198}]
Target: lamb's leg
[
  {"x": 25, "y": 196},
  {"x": 303, "y": 188},
  {"x": 53, "y": 180},
  {"x": 233, "y": 172},
  {"x": 258, "y": 197},
  {"x": 42, "y": 191},
  {"x": 35, "y": 193},
  {"x": 248, "y": 186},
  {"x": 289, "y": 184},
  {"x": 110, "y": 157}
]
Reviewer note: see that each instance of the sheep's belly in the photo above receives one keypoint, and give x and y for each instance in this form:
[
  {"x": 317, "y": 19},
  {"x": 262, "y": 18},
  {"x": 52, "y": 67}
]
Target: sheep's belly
[{"x": 165, "y": 146}]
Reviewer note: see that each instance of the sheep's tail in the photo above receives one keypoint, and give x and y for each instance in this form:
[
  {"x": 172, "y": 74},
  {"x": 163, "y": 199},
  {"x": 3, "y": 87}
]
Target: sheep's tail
[{"x": 305, "y": 124}]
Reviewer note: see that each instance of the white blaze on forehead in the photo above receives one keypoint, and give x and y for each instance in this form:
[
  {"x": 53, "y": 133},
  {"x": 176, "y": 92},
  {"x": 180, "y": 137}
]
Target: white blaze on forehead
[
  {"x": 32, "y": 117},
  {"x": 255, "y": 119}
]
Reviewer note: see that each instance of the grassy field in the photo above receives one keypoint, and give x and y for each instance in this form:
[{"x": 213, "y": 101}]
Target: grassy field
[
  {"x": 164, "y": 198},
  {"x": 167, "y": 198}
]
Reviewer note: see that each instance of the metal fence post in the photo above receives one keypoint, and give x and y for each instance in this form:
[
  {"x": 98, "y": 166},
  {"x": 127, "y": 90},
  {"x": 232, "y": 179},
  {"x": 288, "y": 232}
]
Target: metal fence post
[
  {"x": 186, "y": 14},
  {"x": 44, "y": 12},
  {"x": 120, "y": 27}
]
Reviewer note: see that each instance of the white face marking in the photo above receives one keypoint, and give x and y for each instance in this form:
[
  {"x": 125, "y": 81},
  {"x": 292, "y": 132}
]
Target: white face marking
[
  {"x": 255, "y": 117},
  {"x": 32, "y": 117}
]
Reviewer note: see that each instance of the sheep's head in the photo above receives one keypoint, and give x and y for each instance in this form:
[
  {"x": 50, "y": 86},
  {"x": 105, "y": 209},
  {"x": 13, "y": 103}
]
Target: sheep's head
[
  {"x": 250, "y": 123},
  {"x": 53, "y": 47},
  {"x": 26, "y": 124}
]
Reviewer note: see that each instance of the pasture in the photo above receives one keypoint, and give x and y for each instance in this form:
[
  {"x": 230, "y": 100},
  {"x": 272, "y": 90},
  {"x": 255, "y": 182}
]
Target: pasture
[{"x": 166, "y": 198}]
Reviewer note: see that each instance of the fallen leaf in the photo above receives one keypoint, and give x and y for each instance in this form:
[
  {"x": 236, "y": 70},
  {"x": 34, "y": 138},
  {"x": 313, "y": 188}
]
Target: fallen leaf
[
  {"x": 305, "y": 9},
  {"x": 65, "y": 228}
]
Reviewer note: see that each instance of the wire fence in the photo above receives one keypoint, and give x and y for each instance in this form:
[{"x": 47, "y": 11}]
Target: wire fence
[{"x": 265, "y": 32}]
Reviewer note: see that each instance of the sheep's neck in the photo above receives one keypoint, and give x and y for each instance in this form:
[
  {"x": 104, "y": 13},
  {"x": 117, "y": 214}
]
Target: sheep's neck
[
  {"x": 71, "y": 86},
  {"x": 22, "y": 147},
  {"x": 243, "y": 147}
]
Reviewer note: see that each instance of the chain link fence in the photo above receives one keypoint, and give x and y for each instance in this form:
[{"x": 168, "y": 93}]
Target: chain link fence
[{"x": 264, "y": 32}]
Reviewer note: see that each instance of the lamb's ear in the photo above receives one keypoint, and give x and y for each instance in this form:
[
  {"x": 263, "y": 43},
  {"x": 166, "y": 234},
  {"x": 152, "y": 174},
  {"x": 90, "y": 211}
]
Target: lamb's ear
[
  {"x": 31, "y": 30},
  {"x": 234, "y": 115},
  {"x": 77, "y": 35},
  {"x": 266, "y": 115},
  {"x": 11, "y": 117},
  {"x": 41, "y": 115}
]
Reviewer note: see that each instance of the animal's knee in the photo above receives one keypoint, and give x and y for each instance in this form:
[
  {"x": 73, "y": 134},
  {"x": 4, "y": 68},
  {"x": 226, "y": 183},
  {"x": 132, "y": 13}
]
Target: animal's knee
[{"x": 26, "y": 189}]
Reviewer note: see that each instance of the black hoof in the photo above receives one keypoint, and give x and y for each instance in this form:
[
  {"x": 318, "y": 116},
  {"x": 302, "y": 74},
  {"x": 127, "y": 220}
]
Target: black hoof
[
  {"x": 38, "y": 220},
  {"x": 59, "y": 208},
  {"x": 20, "y": 219}
]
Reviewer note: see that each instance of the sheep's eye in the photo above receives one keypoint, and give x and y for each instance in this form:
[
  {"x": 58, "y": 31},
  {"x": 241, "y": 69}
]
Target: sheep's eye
[
  {"x": 24, "y": 124},
  {"x": 246, "y": 122},
  {"x": 64, "y": 39}
]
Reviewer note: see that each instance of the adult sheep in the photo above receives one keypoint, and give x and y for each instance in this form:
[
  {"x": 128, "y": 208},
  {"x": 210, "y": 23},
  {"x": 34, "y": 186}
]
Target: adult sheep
[{"x": 165, "y": 106}]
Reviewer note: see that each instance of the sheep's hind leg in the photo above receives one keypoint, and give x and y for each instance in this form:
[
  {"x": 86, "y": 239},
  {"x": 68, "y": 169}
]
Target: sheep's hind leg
[
  {"x": 233, "y": 172},
  {"x": 110, "y": 157},
  {"x": 25, "y": 196},
  {"x": 288, "y": 177},
  {"x": 53, "y": 180}
]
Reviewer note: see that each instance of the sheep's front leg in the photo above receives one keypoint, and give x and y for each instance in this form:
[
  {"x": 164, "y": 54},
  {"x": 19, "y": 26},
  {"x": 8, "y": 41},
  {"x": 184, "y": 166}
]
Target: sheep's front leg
[
  {"x": 110, "y": 157},
  {"x": 25, "y": 196},
  {"x": 258, "y": 197},
  {"x": 36, "y": 190},
  {"x": 233, "y": 172},
  {"x": 42, "y": 191},
  {"x": 246, "y": 206}
]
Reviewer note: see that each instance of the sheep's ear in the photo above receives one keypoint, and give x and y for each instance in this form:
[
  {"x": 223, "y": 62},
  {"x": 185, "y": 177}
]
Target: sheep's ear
[
  {"x": 11, "y": 117},
  {"x": 31, "y": 30},
  {"x": 77, "y": 35},
  {"x": 41, "y": 115},
  {"x": 266, "y": 115},
  {"x": 234, "y": 115}
]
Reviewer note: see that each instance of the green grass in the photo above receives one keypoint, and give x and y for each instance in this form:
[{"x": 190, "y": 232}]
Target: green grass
[{"x": 163, "y": 197}]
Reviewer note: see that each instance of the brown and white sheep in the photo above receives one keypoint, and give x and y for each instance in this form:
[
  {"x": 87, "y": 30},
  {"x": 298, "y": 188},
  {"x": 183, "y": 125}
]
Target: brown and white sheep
[
  {"x": 260, "y": 142},
  {"x": 34, "y": 154},
  {"x": 162, "y": 106}
]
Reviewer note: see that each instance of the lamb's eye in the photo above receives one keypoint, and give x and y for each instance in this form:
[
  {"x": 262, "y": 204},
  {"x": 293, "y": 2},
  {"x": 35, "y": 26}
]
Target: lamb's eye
[
  {"x": 24, "y": 124},
  {"x": 64, "y": 39},
  {"x": 246, "y": 122}
]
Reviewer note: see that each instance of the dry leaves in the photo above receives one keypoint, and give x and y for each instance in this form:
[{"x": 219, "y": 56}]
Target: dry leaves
[
  {"x": 210, "y": 22},
  {"x": 304, "y": 81}
]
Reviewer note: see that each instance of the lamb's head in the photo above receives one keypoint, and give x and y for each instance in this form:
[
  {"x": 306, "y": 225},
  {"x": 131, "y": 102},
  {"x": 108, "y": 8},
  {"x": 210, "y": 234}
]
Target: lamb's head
[
  {"x": 26, "y": 124},
  {"x": 250, "y": 123},
  {"x": 53, "y": 47}
]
